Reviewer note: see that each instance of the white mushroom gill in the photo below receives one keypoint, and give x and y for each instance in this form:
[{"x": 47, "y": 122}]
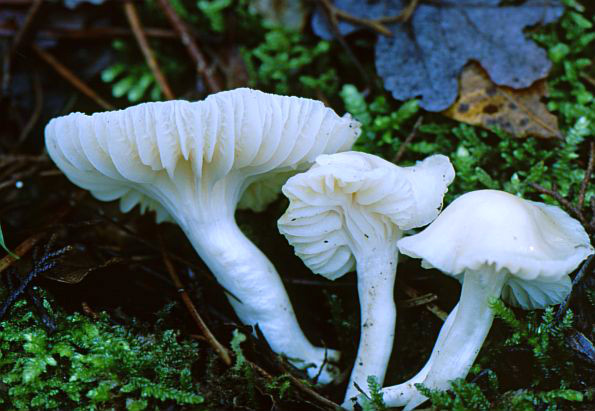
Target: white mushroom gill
[
  {"x": 191, "y": 162},
  {"x": 349, "y": 210},
  {"x": 499, "y": 245}
]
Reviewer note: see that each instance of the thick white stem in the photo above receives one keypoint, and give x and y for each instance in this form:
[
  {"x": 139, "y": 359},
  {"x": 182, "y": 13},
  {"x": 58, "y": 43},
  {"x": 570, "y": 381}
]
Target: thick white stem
[
  {"x": 466, "y": 335},
  {"x": 399, "y": 395},
  {"x": 375, "y": 282},
  {"x": 260, "y": 297}
]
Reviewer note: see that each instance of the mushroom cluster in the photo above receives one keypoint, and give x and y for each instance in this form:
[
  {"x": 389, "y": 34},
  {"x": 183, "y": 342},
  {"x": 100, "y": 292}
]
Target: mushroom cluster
[
  {"x": 497, "y": 245},
  {"x": 195, "y": 163},
  {"x": 191, "y": 163},
  {"x": 349, "y": 210}
]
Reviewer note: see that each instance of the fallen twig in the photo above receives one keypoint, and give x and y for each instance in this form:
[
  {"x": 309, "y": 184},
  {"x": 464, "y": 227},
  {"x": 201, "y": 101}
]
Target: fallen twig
[
  {"x": 141, "y": 38},
  {"x": 92, "y": 33},
  {"x": 374, "y": 25},
  {"x": 333, "y": 22},
  {"x": 588, "y": 173},
  {"x": 305, "y": 389},
  {"x": 200, "y": 63},
  {"x": 26, "y": 246},
  {"x": 202, "y": 326},
  {"x": 403, "y": 16},
  {"x": 585, "y": 269},
  {"x": 433, "y": 308},
  {"x": 408, "y": 140},
  {"x": 38, "y": 92},
  {"x": 18, "y": 39},
  {"x": 71, "y": 77},
  {"x": 563, "y": 202}
]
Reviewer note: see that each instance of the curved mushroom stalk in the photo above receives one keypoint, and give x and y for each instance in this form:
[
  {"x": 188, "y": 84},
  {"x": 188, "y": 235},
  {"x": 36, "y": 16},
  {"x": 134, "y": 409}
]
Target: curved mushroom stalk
[
  {"x": 505, "y": 246},
  {"x": 191, "y": 163},
  {"x": 472, "y": 322},
  {"x": 258, "y": 295},
  {"x": 350, "y": 209},
  {"x": 399, "y": 395},
  {"x": 378, "y": 315}
]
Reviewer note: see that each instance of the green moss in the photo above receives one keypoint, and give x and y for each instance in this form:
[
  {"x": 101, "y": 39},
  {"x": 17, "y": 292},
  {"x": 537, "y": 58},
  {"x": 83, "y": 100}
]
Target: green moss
[{"x": 92, "y": 365}]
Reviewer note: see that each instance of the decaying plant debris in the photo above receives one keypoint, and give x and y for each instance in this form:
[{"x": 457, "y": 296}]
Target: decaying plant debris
[{"x": 106, "y": 310}]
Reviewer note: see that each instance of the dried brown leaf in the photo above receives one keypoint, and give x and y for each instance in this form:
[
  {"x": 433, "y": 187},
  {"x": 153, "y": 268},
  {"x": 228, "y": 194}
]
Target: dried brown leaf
[{"x": 518, "y": 112}]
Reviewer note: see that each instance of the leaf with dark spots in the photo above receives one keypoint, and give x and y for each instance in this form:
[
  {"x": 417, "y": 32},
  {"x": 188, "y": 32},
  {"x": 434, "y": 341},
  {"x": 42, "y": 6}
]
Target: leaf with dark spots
[
  {"x": 518, "y": 112},
  {"x": 425, "y": 55}
]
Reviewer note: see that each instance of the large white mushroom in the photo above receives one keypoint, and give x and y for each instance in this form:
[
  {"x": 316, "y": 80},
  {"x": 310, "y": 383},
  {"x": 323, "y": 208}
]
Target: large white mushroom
[
  {"x": 191, "y": 162},
  {"x": 348, "y": 211},
  {"x": 498, "y": 245}
]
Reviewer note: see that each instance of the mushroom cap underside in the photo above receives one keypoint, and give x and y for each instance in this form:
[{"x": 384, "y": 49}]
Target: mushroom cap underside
[
  {"x": 353, "y": 201},
  {"x": 245, "y": 133}
]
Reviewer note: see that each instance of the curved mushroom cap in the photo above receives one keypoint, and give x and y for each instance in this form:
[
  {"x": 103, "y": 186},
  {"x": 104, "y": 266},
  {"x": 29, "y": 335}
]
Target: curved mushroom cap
[
  {"x": 538, "y": 244},
  {"x": 351, "y": 201},
  {"x": 242, "y": 133}
]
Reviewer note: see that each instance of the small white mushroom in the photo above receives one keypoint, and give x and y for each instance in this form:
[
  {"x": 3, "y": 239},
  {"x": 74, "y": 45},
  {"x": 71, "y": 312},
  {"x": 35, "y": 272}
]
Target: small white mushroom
[
  {"x": 191, "y": 163},
  {"x": 348, "y": 211},
  {"x": 498, "y": 245}
]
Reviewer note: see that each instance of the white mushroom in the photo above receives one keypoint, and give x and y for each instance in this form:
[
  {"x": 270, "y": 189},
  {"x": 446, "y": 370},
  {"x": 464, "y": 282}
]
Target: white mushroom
[
  {"x": 191, "y": 163},
  {"x": 348, "y": 211},
  {"x": 498, "y": 245}
]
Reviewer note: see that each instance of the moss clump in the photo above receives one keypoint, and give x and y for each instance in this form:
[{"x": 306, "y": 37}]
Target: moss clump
[{"x": 90, "y": 364}]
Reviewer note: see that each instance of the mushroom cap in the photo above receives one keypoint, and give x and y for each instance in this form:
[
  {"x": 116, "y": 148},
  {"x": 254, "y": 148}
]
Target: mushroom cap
[
  {"x": 537, "y": 244},
  {"x": 351, "y": 201},
  {"x": 241, "y": 134}
]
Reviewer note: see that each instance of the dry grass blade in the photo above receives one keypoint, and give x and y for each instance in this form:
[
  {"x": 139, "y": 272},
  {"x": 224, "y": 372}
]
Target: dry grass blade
[
  {"x": 202, "y": 326},
  {"x": 141, "y": 38},
  {"x": 188, "y": 41},
  {"x": 71, "y": 77},
  {"x": 587, "y": 178},
  {"x": 433, "y": 308}
]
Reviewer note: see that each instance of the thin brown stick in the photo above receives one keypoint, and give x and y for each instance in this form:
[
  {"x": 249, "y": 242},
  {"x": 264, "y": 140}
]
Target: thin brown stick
[
  {"x": 305, "y": 389},
  {"x": 36, "y": 109},
  {"x": 18, "y": 39},
  {"x": 403, "y": 16},
  {"x": 586, "y": 269},
  {"x": 26, "y": 246},
  {"x": 417, "y": 301},
  {"x": 587, "y": 178},
  {"x": 375, "y": 25},
  {"x": 588, "y": 78},
  {"x": 408, "y": 140},
  {"x": 92, "y": 33},
  {"x": 333, "y": 22},
  {"x": 21, "y": 250},
  {"x": 71, "y": 77},
  {"x": 202, "y": 326},
  {"x": 563, "y": 202},
  {"x": 141, "y": 38},
  {"x": 187, "y": 40},
  {"x": 433, "y": 308}
]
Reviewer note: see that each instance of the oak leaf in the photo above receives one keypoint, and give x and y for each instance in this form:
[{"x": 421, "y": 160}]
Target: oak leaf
[
  {"x": 425, "y": 55},
  {"x": 518, "y": 112}
]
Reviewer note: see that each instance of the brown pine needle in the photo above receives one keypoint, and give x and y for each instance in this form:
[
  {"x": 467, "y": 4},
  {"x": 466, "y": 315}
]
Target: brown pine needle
[
  {"x": 202, "y": 326},
  {"x": 71, "y": 77},
  {"x": 199, "y": 60},
  {"x": 141, "y": 38}
]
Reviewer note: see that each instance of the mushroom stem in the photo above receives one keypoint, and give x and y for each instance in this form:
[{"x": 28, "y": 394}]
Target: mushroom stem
[
  {"x": 470, "y": 327},
  {"x": 257, "y": 293},
  {"x": 399, "y": 395},
  {"x": 375, "y": 282}
]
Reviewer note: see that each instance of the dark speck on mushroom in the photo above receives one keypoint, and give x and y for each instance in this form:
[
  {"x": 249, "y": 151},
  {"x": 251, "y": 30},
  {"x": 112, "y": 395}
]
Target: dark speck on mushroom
[
  {"x": 325, "y": 241},
  {"x": 366, "y": 235}
]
